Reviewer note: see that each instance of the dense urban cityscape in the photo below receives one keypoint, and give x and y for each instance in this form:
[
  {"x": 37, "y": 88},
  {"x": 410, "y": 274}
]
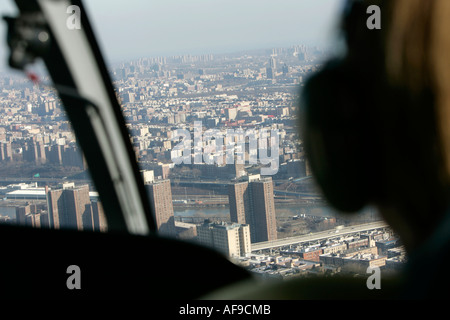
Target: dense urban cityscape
[{"x": 276, "y": 225}]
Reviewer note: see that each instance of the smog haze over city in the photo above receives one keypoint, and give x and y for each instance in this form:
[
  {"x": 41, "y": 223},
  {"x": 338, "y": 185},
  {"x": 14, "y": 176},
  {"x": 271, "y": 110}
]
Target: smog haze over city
[{"x": 171, "y": 27}]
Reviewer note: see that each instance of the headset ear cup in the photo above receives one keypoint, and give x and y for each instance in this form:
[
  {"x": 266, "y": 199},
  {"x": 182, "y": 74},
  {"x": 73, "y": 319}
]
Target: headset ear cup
[{"x": 331, "y": 137}]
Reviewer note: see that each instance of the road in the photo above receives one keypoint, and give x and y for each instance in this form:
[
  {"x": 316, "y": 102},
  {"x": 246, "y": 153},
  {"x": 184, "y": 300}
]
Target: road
[
  {"x": 319, "y": 235},
  {"x": 10, "y": 180}
]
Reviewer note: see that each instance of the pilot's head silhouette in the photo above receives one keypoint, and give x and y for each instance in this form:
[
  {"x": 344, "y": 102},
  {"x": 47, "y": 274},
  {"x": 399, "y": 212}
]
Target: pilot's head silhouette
[
  {"x": 376, "y": 124},
  {"x": 376, "y": 121}
]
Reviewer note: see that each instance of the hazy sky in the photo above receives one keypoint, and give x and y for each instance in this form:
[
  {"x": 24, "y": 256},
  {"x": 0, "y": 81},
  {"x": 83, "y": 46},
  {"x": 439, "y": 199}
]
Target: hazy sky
[{"x": 134, "y": 28}]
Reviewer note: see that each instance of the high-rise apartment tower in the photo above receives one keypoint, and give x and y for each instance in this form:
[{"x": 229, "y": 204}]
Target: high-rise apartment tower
[{"x": 252, "y": 202}]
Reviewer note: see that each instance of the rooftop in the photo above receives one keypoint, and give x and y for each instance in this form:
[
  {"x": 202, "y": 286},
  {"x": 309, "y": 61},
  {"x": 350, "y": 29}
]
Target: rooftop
[{"x": 37, "y": 193}]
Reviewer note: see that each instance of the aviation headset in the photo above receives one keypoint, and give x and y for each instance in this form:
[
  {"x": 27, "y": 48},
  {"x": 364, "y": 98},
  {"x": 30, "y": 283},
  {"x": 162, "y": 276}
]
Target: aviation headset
[
  {"x": 366, "y": 138},
  {"x": 334, "y": 107},
  {"x": 345, "y": 130}
]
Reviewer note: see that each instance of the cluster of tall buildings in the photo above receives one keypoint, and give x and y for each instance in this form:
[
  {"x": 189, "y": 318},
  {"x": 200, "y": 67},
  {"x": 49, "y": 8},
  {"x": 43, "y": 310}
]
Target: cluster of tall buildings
[
  {"x": 71, "y": 207},
  {"x": 252, "y": 214},
  {"x": 39, "y": 152},
  {"x": 64, "y": 206}
]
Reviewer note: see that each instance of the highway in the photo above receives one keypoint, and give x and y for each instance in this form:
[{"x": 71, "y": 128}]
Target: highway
[{"x": 331, "y": 233}]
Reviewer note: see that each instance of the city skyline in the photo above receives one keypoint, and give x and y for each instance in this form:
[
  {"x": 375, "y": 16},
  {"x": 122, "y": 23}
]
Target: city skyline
[
  {"x": 164, "y": 28},
  {"x": 204, "y": 26}
]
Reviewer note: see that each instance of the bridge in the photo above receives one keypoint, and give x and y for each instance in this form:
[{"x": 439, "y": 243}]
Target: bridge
[{"x": 317, "y": 236}]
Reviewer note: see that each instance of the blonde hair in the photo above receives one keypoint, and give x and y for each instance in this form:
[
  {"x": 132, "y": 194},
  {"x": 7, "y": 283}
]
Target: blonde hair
[{"x": 417, "y": 56}]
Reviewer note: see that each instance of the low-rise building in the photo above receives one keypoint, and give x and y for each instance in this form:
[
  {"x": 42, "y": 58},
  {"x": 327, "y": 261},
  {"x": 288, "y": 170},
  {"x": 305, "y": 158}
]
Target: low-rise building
[{"x": 233, "y": 239}]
